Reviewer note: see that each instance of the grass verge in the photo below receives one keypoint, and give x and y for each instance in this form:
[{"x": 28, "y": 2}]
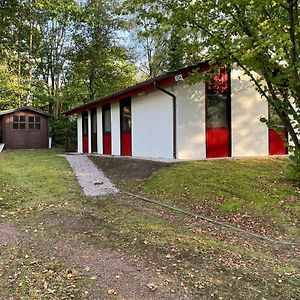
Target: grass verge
[{"x": 253, "y": 193}]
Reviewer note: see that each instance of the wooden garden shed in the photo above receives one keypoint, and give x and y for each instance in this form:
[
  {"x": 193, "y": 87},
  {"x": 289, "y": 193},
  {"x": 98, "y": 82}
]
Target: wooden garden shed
[{"x": 24, "y": 128}]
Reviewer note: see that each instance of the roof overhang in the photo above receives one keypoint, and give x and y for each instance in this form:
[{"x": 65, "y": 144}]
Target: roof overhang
[
  {"x": 143, "y": 87},
  {"x": 24, "y": 108}
]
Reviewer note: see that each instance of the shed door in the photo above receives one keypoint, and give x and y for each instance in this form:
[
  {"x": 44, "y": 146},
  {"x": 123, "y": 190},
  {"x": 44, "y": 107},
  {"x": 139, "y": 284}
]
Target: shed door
[
  {"x": 218, "y": 138},
  {"x": 94, "y": 130},
  {"x": 106, "y": 125},
  {"x": 85, "y": 137},
  {"x": 125, "y": 108}
]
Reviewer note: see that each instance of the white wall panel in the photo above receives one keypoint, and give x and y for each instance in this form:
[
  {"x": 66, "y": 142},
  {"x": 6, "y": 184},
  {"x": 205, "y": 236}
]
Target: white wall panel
[
  {"x": 249, "y": 135},
  {"x": 79, "y": 133},
  {"x": 89, "y": 131},
  {"x": 99, "y": 131},
  {"x": 190, "y": 120},
  {"x": 115, "y": 128},
  {"x": 152, "y": 125}
]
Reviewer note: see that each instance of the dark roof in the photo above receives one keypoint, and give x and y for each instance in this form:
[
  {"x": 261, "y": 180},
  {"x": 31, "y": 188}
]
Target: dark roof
[
  {"x": 23, "y": 108},
  {"x": 162, "y": 80}
]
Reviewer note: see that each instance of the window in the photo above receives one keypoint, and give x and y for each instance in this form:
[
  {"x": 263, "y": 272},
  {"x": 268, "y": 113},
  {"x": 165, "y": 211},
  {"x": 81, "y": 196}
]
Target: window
[
  {"x": 126, "y": 118},
  {"x": 18, "y": 122},
  {"x": 34, "y": 122},
  {"x": 217, "y": 110},
  {"x": 85, "y": 125},
  {"x": 107, "y": 121},
  {"x": 94, "y": 123}
]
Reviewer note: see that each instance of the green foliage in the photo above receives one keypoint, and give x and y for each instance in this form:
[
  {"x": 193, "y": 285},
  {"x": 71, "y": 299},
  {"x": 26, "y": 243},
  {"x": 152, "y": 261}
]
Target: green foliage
[
  {"x": 98, "y": 65},
  {"x": 157, "y": 50},
  {"x": 260, "y": 37},
  {"x": 60, "y": 53},
  {"x": 9, "y": 89},
  {"x": 293, "y": 171},
  {"x": 59, "y": 128}
]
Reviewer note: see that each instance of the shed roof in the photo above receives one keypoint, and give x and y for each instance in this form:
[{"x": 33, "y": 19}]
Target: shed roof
[
  {"x": 23, "y": 108},
  {"x": 148, "y": 85}
]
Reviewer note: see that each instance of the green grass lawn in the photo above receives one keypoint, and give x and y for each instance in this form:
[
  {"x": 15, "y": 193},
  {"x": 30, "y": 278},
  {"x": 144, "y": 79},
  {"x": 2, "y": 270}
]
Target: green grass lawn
[
  {"x": 39, "y": 196},
  {"x": 230, "y": 188},
  {"x": 30, "y": 178}
]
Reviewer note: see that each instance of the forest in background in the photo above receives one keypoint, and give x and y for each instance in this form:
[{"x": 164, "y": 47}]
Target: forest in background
[{"x": 56, "y": 54}]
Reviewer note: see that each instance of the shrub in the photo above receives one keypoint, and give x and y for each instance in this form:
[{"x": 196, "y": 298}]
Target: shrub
[
  {"x": 293, "y": 172},
  {"x": 59, "y": 127}
]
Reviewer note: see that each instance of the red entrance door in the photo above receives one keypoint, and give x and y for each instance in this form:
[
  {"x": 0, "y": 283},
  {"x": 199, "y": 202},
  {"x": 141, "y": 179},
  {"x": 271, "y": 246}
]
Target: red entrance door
[
  {"x": 85, "y": 136},
  {"x": 106, "y": 125},
  {"x": 218, "y": 137},
  {"x": 277, "y": 143},
  {"x": 125, "y": 110}
]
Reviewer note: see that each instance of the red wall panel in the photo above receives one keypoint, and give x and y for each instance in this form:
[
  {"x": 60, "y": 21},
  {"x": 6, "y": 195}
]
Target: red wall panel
[
  {"x": 126, "y": 143},
  {"x": 217, "y": 142},
  {"x": 107, "y": 143},
  {"x": 220, "y": 83},
  {"x": 276, "y": 143},
  {"x": 85, "y": 144}
]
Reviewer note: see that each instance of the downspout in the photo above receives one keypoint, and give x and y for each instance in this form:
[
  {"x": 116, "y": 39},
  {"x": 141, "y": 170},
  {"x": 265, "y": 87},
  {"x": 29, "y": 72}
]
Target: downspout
[{"x": 174, "y": 119}]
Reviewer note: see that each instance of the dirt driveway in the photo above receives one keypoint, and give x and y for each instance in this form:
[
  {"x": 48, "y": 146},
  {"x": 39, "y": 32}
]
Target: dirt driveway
[
  {"x": 104, "y": 273},
  {"x": 68, "y": 235}
]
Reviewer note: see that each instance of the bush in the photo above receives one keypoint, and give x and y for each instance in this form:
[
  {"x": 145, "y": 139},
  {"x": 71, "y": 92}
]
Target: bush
[
  {"x": 59, "y": 128},
  {"x": 293, "y": 172}
]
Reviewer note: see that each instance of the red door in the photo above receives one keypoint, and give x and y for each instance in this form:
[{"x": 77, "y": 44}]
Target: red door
[
  {"x": 125, "y": 110},
  {"x": 106, "y": 125},
  {"x": 85, "y": 136},
  {"x": 277, "y": 143},
  {"x": 218, "y": 137}
]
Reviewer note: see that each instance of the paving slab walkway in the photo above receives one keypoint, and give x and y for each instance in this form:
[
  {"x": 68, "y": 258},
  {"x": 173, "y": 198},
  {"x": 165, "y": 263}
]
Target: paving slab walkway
[{"x": 90, "y": 178}]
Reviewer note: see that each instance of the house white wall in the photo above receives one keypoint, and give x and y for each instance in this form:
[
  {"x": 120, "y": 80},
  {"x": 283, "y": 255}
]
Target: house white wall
[
  {"x": 89, "y": 131},
  {"x": 152, "y": 122},
  {"x": 115, "y": 129},
  {"x": 249, "y": 135},
  {"x": 152, "y": 125},
  {"x": 99, "y": 131},
  {"x": 190, "y": 120},
  {"x": 79, "y": 133}
]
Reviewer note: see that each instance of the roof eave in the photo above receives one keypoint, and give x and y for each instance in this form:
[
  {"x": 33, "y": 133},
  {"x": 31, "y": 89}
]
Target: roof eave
[
  {"x": 36, "y": 110},
  {"x": 163, "y": 80}
]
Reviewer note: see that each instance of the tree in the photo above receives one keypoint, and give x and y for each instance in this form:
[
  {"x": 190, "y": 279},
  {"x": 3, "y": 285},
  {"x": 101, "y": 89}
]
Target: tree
[
  {"x": 13, "y": 52},
  {"x": 98, "y": 65},
  {"x": 157, "y": 50},
  {"x": 261, "y": 36},
  {"x": 54, "y": 25},
  {"x": 9, "y": 87},
  {"x": 59, "y": 53}
]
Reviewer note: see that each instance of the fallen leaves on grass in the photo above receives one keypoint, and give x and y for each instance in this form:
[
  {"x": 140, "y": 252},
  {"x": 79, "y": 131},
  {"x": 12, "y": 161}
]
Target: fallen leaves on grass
[{"x": 26, "y": 276}]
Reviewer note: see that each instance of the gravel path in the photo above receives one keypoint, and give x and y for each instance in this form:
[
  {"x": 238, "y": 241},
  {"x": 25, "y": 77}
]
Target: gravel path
[{"x": 90, "y": 178}]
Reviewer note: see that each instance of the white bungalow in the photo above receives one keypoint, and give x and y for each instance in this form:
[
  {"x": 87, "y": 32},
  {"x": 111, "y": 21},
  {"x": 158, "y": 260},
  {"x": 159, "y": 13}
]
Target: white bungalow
[{"x": 166, "y": 117}]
